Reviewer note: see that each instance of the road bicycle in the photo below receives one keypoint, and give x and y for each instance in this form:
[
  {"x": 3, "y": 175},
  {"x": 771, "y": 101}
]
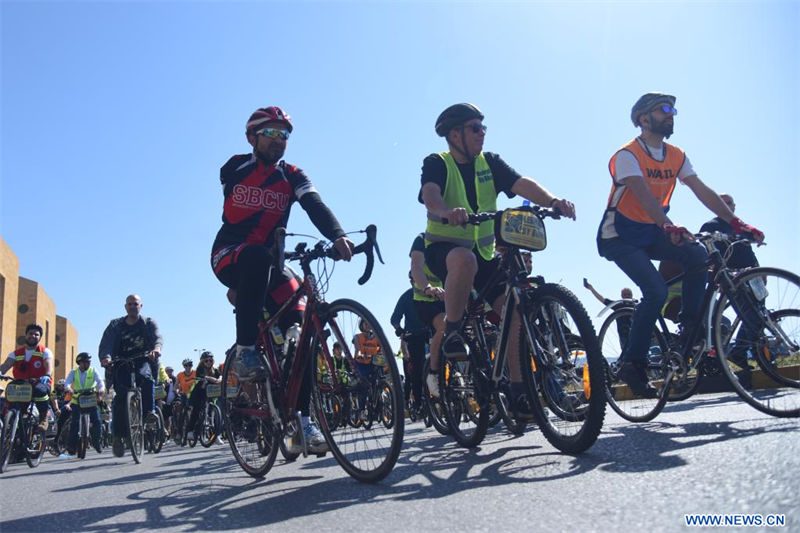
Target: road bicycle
[
  {"x": 20, "y": 435},
  {"x": 264, "y": 409},
  {"x": 749, "y": 316},
  {"x": 560, "y": 359}
]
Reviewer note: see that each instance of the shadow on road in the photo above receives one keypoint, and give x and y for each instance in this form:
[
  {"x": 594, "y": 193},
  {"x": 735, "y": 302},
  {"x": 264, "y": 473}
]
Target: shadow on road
[{"x": 199, "y": 493}]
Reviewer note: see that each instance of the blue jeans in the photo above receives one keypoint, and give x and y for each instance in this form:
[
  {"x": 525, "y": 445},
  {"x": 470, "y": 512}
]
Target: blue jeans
[
  {"x": 636, "y": 262},
  {"x": 122, "y": 383}
]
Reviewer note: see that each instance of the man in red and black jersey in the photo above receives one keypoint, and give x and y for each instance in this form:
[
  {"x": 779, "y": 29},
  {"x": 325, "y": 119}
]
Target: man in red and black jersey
[{"x": 259, "y": 191}]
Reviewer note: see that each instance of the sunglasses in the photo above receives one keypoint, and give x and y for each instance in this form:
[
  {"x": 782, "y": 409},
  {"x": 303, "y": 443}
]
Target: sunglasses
[
  {"x": 475, "y": 128},
  {"x": 274, "y": 133},
  {"x": 668, "y": 109}
]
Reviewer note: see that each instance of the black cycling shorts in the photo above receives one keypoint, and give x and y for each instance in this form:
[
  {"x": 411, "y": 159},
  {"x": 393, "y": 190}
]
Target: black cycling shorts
[{"x": 436, "y": 260}]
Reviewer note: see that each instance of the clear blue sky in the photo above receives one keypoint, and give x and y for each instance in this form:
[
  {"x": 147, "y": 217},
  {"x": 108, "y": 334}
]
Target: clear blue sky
[{"x": 116, "y": 117}]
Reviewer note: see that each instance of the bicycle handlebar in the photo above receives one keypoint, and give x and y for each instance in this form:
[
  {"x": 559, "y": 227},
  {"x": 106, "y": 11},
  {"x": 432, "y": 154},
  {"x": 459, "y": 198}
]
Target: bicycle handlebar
[
  {"x": 477, "y": 218},
  {"x": 321, "y": 250}
]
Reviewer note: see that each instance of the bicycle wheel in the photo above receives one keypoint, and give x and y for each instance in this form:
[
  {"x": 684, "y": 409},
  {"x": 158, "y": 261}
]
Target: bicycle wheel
[
  {"x": 250, "y": 430},
  {"x": 7, "y": 437},
  {"x": 35, "y": 439},
  {"x": 63, "y": 436},
  {"x": 366, "y": 453},
  {"x": 83, "y": 436},
  {"x": 434, "y": 406},
  {"x": 563, "y": 369},
  {"x": 135, "y": 437},
  {"x": 759, "y": 321},
  {"x": 467, "y": 413},
  {"x": 612, "y": 339},
  {"x": 159, "y": 435},
  {"x": 211, "y": 424}
]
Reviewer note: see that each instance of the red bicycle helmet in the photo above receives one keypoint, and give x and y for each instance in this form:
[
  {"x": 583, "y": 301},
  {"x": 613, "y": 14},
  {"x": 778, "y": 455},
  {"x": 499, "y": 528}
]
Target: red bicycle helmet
[{"x": 263, "y": 115}]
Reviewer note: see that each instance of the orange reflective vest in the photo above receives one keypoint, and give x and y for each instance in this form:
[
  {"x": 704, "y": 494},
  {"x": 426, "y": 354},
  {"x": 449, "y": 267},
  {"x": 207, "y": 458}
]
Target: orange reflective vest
[
  {"x": 660, "y": 177},
  {"x": 367, "y": 347}
]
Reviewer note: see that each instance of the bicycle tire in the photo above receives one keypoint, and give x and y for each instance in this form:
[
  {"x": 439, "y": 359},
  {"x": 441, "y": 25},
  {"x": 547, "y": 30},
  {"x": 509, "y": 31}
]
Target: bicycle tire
[
  {"x": 768, "y": 299},
  {"x": 211, "y": 424},
  {"x": 159, "y": 435},
  {"x": 134, "y": 439},
  {"x": 34, "y": 445},
  {"x": 367, "y": 454},
  {"x": 575, "y": 427},
  {"x": 466, "y": 411},
  {"x": 612, "y": 339},
  {"x": 249, "y": 429},
  {"x": 288, "y": 456},
  {"x": 82, "y": 439},
  {"x": 7, "y": 438}
]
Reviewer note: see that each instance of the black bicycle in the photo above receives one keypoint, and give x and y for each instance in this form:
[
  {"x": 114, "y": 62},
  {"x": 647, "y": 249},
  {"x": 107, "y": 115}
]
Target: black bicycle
[
  {"x": 87, "y": 401},
  {"x": 750, "y": 316},
  {"x": 133, "y": 415},
  {"x": 560, "y": 359},
  {"x": 20, "y": 435}
]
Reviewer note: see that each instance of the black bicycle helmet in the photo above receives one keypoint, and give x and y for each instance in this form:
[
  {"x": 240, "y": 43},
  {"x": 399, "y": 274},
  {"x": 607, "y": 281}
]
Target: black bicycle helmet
[
  {"x": 647, "y": 102},
  {"x": 83, "y": 356},
  {"x": 206, "y": 355},
  {"x": 456, "y": 115},
  {"x": 188, "y": 361}
]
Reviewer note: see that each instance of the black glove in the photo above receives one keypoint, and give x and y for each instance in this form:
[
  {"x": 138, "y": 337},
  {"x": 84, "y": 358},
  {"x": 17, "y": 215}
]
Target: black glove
[{"x": 398, "y": 331}]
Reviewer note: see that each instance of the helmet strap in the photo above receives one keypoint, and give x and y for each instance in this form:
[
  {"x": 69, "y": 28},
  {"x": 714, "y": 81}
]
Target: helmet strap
[{"x": 462, "y": 150}]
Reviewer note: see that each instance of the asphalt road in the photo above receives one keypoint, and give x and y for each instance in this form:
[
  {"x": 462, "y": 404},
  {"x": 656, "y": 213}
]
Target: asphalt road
[{"x": 710, "y": 454}]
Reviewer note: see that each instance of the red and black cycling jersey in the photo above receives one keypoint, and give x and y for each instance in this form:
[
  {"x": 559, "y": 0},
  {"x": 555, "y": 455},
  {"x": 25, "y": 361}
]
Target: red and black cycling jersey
[{"x": 258, "y": 199}]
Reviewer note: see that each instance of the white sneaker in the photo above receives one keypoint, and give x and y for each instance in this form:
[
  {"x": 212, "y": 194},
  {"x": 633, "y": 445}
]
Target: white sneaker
[
  {"x": 315, "y": 440},
  {"x": 432, "y": 381}
]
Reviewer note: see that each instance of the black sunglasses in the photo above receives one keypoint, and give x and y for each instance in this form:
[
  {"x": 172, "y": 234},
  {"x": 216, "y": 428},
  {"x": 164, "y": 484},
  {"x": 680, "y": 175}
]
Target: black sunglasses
[{"x": 475, "y": 128}]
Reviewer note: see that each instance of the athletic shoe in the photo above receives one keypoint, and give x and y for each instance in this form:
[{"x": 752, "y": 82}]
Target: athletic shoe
[
  {"x": 432, "y": 382},
  {"x": 315, "y": 440},
  {"x": 454, "y": 346}
]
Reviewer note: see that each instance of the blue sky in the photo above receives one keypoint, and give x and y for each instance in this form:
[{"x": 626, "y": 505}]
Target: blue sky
[{"x": 116, "y": 117}]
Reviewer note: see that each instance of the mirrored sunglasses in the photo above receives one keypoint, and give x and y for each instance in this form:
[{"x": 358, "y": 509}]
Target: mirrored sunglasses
[
  {"x": 274, "y": 133},
  {"x": 668, "y": 109}
]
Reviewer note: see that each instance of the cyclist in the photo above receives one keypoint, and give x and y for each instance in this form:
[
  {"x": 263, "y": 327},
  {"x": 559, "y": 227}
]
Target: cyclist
[
  {"x": 82, "y": 379},
  {"x": 259, "y": 190},
  {"x": 185, "y": 379},
  {"x": 635, "y": 227},
  {"x": 415, "y": 336},
  {"x": 126, "y": 337},
  {"x": 33, "y": 361},
  {"x": 206, "y": 372},
  {"x": 429, "y": 302},
  {"x": 458, "y": 182},
  {"x": 61, "y": 398}
]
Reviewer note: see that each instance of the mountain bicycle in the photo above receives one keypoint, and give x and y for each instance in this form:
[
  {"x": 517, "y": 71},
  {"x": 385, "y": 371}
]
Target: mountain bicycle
[
  {"x": 560, "y": 359},
  {"x": 20, "y": 435},
  {"x": 264, "y": 409},
  {"x": 87, "y": 401},
  {"x": 133, "y": 415},
  {"x": 210, "y": 421},
  {"x": 748, "y": 316}
]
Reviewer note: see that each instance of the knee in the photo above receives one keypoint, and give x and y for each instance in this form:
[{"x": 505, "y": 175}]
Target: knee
[
  {"x": 655, "y": 294},
  {"x": 461, "y": 260}
]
